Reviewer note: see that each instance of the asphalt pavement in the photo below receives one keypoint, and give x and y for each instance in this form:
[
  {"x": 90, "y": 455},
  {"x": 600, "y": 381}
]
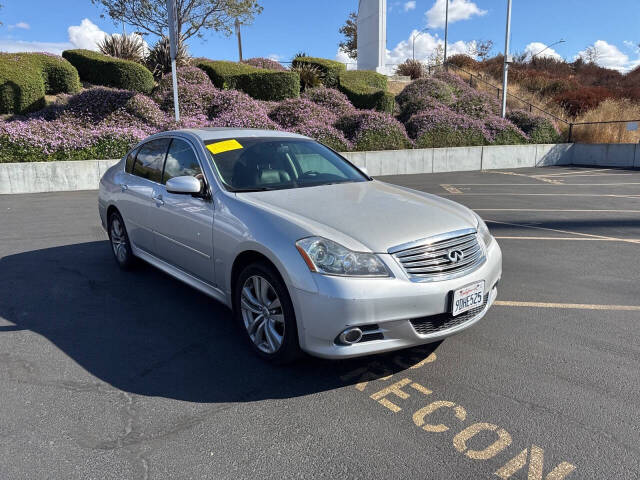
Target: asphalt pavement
[{"x": 113, "y": 375}]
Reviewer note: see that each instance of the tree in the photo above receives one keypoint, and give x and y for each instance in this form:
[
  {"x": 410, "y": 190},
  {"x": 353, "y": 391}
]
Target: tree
[
  {"x": 350, "y": 31},
  {"x": 591, "y": 54},
  {"x": 194, "y": 16},
  {"x": 437, "y": 56},
  {"x": 483, "y": 49}
]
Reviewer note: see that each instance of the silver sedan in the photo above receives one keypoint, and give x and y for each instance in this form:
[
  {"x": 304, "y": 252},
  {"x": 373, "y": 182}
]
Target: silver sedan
[{"x": 309, "y": 252}]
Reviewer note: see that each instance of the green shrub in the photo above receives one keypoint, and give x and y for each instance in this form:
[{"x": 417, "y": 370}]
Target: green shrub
[
  {"x": 369, "y": 130},
  {"x": 21, "y": 86},
  {"x": 99, "y": 69},
  {"x": 330, "y": 70},
  {"x": 539, "y": 129},
  {"x": 427, "y": 87},
  {"x": 256, "y": 82},
  {"x": 367, "y": 90},
  {"x": 58, "y": 74},
  {"x": 503, "y": 132},
  {"x": 25, "y": 78}
]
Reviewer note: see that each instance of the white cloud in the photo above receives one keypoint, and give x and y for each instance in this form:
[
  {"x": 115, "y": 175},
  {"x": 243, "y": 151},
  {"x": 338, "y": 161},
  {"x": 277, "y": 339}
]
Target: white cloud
[
  {"x": 425, "y": 45},
  {"x": 610, "y": 56},
  {"x": 14, "y": 46},
  {"x": 458, "y": 10},
  {"x": 20, "y": 25},
  {"x": 410, "y": 6},
  {"x": 541, "y": 50},
  {"x": 86, "y": 35},
  {"x": 275, "y": 57}
]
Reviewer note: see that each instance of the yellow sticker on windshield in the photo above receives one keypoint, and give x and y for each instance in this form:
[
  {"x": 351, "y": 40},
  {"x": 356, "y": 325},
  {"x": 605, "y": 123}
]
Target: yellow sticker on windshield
[{"x": 225, "y": 146}]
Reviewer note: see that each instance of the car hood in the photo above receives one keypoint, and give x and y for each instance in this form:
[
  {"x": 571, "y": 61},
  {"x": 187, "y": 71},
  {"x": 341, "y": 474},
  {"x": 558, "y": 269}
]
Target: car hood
[{"x": 375, "y": 214}]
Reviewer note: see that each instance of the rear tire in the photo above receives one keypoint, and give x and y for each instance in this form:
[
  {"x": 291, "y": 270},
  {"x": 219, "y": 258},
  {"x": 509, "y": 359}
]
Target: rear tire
[
  {"x": 264, "y": 311},
  {"x": 119, "y": 240}
]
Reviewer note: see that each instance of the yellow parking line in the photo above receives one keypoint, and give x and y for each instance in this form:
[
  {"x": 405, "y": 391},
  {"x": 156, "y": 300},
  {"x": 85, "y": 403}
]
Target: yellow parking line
[
  {"x": 575, "y": 172},
  {"x": 589, "y": 235},
  {"x": 571, "y": 306}
]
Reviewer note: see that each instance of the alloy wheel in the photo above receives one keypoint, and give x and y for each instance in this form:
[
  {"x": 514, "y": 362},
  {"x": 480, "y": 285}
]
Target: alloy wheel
[
  {"x": 262, "y": 314},
  {"x": 118, "y": 240}
]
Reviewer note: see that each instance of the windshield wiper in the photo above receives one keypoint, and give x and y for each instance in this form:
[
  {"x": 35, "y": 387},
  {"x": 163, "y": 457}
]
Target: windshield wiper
[{"x": 253, "y": 189}]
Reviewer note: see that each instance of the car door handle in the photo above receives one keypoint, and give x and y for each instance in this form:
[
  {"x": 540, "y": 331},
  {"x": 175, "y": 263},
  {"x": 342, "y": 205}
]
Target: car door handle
[{"x": 158, "y": 199}]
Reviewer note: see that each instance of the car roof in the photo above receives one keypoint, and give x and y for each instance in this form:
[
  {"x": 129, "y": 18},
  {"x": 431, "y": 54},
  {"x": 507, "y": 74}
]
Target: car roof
[{"x": 207, "y": 134}]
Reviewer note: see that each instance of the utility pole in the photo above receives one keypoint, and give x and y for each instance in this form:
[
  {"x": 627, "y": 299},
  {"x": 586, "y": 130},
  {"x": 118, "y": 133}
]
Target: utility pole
[
  {"x": 446, "y": 31},
  {"x": 173, "y": 44},
  {"x": 507, "y": 60},
  {"x": 239, "y": 35}
]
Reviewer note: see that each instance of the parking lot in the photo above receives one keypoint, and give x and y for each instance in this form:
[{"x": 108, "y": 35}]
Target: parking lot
[{"x": 105, "y": 374}]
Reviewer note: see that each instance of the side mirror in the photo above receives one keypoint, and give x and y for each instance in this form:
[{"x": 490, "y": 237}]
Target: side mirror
[{"x": 184, "y": 185}]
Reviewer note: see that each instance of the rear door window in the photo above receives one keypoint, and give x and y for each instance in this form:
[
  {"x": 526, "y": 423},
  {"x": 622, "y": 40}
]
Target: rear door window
[
  {"x": 130, "y": 159},
  {"x": 150, "y": 159},
  {"x": 181, "y": 161}
]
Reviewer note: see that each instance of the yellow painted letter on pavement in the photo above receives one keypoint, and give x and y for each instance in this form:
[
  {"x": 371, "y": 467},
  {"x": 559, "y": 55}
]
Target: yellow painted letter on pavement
[
  {"x": 461, "y": 439},
  {"x": 418, "y": 417},
  {"x": 536, "y": 464}
]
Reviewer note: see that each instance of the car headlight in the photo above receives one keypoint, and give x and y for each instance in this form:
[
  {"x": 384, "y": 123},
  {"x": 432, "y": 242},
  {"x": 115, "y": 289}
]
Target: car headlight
[
  {"x": 483, "y": 231},
  {"x": 331, "y": 258}
]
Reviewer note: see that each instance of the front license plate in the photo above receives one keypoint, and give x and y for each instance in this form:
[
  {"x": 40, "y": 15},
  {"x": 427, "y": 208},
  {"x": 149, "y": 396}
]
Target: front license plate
[{"x": 466, "y": 298}]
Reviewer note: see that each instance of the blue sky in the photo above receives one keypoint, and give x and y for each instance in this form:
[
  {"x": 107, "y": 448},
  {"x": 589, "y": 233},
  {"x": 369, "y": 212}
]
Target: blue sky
[{"x": 288, "y": 26}]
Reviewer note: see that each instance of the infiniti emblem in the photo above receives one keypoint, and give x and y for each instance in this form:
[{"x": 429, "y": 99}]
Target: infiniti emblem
[{"x": 455, "y": 255}]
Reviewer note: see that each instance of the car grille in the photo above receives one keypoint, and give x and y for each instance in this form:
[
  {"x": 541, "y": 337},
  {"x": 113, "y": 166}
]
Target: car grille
[
  {"x": 444, "y": 321},
  {"x": 429, "y": 260}
]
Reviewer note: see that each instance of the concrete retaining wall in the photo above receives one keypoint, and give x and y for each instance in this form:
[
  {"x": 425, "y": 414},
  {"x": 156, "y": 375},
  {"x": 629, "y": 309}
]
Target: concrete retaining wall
[{"x": 85, "y": 175}]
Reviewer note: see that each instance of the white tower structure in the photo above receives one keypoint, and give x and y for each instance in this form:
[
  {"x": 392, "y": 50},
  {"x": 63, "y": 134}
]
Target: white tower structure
[{"x": 372, "y": 35}]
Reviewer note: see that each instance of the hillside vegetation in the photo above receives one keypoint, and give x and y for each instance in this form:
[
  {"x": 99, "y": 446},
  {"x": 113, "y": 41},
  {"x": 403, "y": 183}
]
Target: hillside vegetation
[{"x": 576, "y": 91}]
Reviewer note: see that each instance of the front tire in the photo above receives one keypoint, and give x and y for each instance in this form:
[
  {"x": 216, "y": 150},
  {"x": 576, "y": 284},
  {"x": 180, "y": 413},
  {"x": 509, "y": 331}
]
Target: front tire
[
  {"x": 264, "y": 311},
  {"x": 120, "y": 244}
]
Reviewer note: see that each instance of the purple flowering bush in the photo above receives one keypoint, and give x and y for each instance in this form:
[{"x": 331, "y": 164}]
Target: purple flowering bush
[
  {"x": 265, "y": 63},
  {"x": 325, "y": 134},
  {"x": 427, "y": 87},
  {"x": 301, "y": 115},
  {"x": 195, "y": 91},
  {"x": 110, "y": 105},
  {"x": 476, "y": 104},
  {"x": 442, "y": 127},
  {"x": 333, "y": 100},
  {"x": 65, "y": 138},
  {"x": 371, "y": 130},
  {"x": 297, "y": 111},
  {"x": 539, "y": 129},
  {"x": 503, "y": 132}
]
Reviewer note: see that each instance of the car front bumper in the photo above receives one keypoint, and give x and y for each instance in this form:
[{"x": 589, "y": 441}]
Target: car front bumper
[{"x": 389, "y": 303}]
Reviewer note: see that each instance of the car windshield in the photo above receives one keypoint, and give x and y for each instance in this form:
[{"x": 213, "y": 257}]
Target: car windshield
[{"x": 258, "y": 164}]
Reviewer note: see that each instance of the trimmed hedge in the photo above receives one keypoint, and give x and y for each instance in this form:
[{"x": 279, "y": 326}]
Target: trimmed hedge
[
  {"x": 259, "y": 83},
  {"x": 25, "y": 78},
  {"x": 99, "y": 69},
  {"x": 330, "y": 70},
  {"x": 21, "y": 86},
  {"x": 367, "y": 90}
]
